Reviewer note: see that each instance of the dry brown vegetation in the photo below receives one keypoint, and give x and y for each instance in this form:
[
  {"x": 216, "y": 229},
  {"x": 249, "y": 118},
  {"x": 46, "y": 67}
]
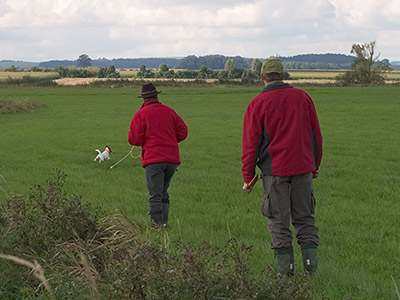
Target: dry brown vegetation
[
  {"x": 76, "y": 254},
  {"x": 14, "y": 106}
]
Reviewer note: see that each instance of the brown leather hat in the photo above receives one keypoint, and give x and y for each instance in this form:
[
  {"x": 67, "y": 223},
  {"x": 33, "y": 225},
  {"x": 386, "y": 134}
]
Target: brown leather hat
[{"x": 149, "y": 91}]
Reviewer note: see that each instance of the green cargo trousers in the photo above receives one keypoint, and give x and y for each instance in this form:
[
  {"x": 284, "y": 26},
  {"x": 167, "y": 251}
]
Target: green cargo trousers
[{"x": 290, "y": 200}]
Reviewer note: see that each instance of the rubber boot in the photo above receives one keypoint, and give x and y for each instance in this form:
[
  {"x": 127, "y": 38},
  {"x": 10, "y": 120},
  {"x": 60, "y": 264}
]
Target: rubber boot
[
  {"x": 157, "y": 219},
  {"x": 165, "y": 211},
  {"x": 285, "y": 261},
  {"x": 309, "y": 252}
]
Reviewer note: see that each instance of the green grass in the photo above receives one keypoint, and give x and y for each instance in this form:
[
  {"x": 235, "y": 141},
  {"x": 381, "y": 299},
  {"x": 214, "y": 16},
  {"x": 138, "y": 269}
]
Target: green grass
[{"x": 357, "y": 191}]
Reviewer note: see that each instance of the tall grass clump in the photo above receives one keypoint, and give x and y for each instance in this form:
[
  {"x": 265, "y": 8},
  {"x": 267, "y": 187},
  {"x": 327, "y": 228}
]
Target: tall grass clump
[
  {"x": 75, "y": 255},
  {"x": 14, "y": 106}
]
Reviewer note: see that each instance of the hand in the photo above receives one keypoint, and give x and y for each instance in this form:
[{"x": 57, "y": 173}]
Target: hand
[
  {"x": 315, "y": 173},
  {"x": 247, "y": 188}
]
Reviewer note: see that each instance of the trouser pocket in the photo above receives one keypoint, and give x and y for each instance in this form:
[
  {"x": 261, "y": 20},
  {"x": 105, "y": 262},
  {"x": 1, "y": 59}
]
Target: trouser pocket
[
  {"x": 266, "y": 206},
  {"x": 312, "y": 207}
]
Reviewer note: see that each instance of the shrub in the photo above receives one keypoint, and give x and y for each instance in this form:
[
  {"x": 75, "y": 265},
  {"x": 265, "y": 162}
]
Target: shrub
[
  {"x": 74, "y": 72},
  {"x": 108, "y": 72},
  {"x": 116, "y": 258},
  {"x": 134, "y": 261},
  {"x": 45, "y": 218}
]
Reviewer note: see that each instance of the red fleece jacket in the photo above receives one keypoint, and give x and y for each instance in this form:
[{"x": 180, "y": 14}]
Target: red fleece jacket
[
  {"x": 281, "y": 133},
  {"x": 158, "y": 129}
]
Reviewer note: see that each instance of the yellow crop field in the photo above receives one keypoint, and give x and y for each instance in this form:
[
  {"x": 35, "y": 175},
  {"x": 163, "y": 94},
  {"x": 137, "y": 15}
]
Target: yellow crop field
[
  {"x": 5, "y": 75},
  {"x": 330, "y": 75},
  {"x": 314, "y": 74},
  {"x": 128, "y": 73},
  {"x": 393, "y": 75}
]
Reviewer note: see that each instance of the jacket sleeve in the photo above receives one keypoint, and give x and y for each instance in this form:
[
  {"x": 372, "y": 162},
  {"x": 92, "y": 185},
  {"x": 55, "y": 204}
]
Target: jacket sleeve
[
  {"x": 317, "y": 135},
  {"x": 181, "y": 129},
  {"x": 252, "y": 128},
  {"x": 137, "y": 130}
]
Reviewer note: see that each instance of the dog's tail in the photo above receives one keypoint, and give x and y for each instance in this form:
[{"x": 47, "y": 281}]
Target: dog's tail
[{"x": 98, "y": 151}]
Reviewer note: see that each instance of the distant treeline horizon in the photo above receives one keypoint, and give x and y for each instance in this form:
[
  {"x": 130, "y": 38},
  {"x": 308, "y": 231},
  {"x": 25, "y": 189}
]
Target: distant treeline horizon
[
  {"x": 192, "y": 62},
  {"x": 214, "y": 62}
]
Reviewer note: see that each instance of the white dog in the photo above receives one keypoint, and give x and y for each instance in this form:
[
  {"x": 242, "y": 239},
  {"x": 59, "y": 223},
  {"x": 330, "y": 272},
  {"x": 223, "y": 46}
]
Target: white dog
[{"x": 102, "y": 156}]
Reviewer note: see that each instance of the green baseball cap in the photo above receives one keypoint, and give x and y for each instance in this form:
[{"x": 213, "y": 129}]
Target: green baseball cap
[{"x": 272, "y": 65}]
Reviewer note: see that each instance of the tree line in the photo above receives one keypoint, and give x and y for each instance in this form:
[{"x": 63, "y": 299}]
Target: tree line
[
  {"x": 365, "y": 67},
  {"x": 214, "y": 62},
  {"x": 229, "y": 71}
]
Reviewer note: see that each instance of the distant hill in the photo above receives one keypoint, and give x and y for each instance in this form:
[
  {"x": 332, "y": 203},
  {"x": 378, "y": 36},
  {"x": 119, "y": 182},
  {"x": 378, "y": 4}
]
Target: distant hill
[
  {"x": 57, "y": 63},
  {"x": 120, "y": 63},
  {"x": 305, "y": 61},
  {"x": 318, "y": 61},
  {"x": 214, "y": 62},
  {"x": 4, "y": 64},
  {"x": 321, "y": 58}
]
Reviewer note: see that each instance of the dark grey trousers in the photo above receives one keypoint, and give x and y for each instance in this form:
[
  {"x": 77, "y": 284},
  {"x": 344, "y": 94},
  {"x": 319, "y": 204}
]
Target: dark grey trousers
[
  {"x": 158, "y": 178},
  {"x": 286, "y": 200}
]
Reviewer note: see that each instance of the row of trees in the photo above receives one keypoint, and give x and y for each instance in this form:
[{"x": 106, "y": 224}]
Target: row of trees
[
  {"x": 230, "y": 71},
  {"x": 366, "y": 68},
  {"x": 214, "y": 62},
  {"x": 74, "y": 72}
]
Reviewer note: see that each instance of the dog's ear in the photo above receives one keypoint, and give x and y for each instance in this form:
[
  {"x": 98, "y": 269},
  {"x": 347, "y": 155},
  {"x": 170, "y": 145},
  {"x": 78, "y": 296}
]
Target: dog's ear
[{"x": 109, "y": 148}]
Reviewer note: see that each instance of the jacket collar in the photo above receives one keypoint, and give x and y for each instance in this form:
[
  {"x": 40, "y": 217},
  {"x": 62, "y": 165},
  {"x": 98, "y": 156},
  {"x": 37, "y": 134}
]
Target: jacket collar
[
  {"x": 149, "y": 102},
  {"x": 274, "y": 85}
]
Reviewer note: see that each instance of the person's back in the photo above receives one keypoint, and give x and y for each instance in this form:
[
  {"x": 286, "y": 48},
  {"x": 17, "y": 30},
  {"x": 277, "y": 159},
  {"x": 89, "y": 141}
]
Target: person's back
[
  {"x": 163, "y": 131},
  {"x": 287, "y": 142}
]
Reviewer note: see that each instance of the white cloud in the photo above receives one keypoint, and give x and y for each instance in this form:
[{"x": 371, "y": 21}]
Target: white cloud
[
  {"x": 367, "y": 13},
  {"x": 240, "y": 15},
  {"x": 255, "y": 28}
]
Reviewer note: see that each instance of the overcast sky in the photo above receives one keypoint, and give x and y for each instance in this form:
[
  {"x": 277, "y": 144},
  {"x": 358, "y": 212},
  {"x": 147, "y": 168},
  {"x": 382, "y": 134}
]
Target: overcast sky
[{"x": 40, "y": 30}]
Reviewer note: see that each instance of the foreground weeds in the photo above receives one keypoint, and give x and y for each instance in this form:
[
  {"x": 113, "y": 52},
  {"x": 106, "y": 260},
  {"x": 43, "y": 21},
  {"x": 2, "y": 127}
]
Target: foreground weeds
[{"x": 55, "y": 247}]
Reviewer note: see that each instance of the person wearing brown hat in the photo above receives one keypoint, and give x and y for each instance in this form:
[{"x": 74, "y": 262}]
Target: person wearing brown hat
[
  {"x": 282, "y": 136},
  {"x": 158, "y": 129}
]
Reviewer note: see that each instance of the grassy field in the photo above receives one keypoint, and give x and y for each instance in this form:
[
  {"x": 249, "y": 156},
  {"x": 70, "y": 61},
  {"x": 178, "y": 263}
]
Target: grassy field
[{"x": 357, "y": 192}]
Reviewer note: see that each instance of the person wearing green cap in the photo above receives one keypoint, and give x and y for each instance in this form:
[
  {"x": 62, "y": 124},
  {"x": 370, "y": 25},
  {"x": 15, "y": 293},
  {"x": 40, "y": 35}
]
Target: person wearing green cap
[{"x": 282, "y": 136}]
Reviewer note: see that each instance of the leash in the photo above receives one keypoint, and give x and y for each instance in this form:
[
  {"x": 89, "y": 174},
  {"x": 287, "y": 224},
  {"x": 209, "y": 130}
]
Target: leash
[
  {"x": 2, "y": 177},
  {"x": 129, "y": 153}
]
